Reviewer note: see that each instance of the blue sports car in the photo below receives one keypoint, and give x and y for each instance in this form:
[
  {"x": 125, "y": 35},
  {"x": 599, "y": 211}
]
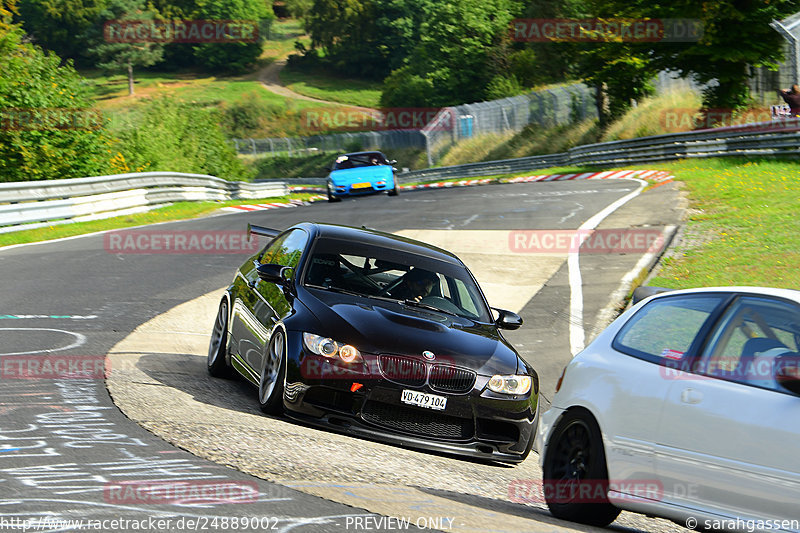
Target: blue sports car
[{"x": 361, "y": 173}]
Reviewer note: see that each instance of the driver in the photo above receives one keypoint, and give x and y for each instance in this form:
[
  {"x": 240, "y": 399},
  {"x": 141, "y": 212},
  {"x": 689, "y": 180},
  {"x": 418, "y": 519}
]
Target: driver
[{"x": 416, "y": 285}]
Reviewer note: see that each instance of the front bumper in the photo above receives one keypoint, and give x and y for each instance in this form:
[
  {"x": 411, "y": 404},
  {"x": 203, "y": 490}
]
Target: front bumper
[
  {"x": 350, "y": 189},
  {"x": 477, "y": 423}
]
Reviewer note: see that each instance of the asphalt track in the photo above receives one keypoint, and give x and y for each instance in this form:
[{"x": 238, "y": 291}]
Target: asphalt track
[{"x": 65, "y": 448}]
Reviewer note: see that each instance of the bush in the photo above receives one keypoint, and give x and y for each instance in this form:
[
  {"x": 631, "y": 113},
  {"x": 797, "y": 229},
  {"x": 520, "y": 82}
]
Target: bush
[
  {"x": 503, "y": 87},
  {"x": 168, "y": 135},
  {"x": 526, "y": 67},
  {"x": 48, "y": 128},
  {"x": 249, "y": 116},
  {"x": 403, "y": 88}
]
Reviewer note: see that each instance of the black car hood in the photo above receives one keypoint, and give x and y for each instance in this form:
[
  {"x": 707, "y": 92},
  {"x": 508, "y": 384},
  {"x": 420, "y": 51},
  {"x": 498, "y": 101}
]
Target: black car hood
[{"x": 385, "y": 327}]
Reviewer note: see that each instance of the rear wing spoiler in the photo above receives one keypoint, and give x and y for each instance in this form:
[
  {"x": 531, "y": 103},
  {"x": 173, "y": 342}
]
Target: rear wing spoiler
[{"x": 261, "y": 230}]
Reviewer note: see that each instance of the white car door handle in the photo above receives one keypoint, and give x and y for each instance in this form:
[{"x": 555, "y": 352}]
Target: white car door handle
[{"x": 691, "y": 396}]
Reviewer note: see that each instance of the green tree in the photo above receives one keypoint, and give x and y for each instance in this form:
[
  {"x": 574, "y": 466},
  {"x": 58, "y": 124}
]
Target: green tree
[
  {"x": 234, "y": 56},
  {"x": 545, "y": 62},
  {"x": 48, "y": 129},
  {"x": 114, "y": 55},
  {"x": 343, "y": 30},
  {"x": 457, "y": 52},
  {"x": 61, "y": 25},
  {"x": 736, "y": 34},
  {"x": 299, "y": 9},
  {"x": 619, "y": 71},
  {"x": 369, "y": 38},
  {"x": 619, "y": 77}
]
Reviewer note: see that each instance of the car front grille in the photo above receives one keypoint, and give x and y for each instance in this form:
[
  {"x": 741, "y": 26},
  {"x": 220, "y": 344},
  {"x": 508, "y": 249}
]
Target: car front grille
[
  {"x": 417, "y": 421},
  {"x": 415, "y": 373},
  {"x": 452, "y": 379},
  {"x": 403, "y": 370}
]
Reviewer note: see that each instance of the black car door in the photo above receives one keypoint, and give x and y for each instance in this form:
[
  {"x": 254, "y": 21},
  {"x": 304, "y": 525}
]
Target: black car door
[
  {"x": 270, "y": 301},
  {"x": 258, "y": 305}
]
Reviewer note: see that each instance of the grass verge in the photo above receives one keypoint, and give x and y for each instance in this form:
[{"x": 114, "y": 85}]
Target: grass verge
[
  {"x": 532, "y": 140},
  {"x": 743, "y": 225},
  {"x": 177, "y": 211},
  {"x": 325, "y": 86}
]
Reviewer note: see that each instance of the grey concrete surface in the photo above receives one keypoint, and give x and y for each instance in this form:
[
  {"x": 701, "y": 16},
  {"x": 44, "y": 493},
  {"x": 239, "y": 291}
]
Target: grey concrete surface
[{"x": 165, "y": 387}]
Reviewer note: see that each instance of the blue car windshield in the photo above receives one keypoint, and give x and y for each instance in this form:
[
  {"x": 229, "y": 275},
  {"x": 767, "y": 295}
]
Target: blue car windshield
[
  {"x": 359, "y": 160},
  {"x": 377, "y": 272}
]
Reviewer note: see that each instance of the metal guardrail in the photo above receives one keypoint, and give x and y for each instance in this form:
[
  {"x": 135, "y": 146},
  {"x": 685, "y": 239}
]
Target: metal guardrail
[
  {"x": 25, "y": 205},
  {"x": 32, "y": 204},
  {"x": 778, "y": 138}
]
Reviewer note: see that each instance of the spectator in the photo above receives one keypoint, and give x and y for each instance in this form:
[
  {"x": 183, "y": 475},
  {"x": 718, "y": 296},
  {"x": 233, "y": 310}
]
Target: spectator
[{"x": 792, "y": 98}]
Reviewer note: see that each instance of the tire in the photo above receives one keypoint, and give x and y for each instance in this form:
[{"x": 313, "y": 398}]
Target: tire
[
  {"x": 217, "y": 363},
  {"x": 331, "y": 197},
  {"x": 575, "y": 466},
  {"x": 393, "y": 191},
  {"x": 273, "y": 374}
]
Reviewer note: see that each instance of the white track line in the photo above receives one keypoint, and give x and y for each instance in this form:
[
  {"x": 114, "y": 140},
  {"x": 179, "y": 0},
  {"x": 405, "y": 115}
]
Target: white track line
[{"x": 577, "y": 335}]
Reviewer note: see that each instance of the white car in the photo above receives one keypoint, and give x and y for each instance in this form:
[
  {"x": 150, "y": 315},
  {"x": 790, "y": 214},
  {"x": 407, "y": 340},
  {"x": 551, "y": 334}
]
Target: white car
[{"x": 687, "y": 407}]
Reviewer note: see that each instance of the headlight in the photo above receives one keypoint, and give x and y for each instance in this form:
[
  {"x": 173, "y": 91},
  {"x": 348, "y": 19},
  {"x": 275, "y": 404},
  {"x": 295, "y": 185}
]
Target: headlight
[
  {"x": 330, "y": 348},
  {"x": 510, "y": 384}
]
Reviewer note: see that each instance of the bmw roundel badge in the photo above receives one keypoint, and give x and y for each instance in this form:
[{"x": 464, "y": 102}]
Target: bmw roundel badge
[{"x": 427, "y": 354}]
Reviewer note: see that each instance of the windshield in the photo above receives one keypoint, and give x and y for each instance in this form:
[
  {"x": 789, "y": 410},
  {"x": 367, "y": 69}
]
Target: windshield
[
  {"x": 359, "y": 160},
  {"x": 384, "y": 273}
]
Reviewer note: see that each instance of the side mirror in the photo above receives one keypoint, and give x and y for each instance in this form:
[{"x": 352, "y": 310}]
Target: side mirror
[
  {"x": 392, "y": 161},
  {"x": 507, "y": 319},
  {"x": 275, "y": 273},
  {"x": 787, "y": 372}
]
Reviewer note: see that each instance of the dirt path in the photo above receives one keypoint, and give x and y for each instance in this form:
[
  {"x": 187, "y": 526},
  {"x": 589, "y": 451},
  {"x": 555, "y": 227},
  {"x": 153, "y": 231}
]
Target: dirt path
[{"x": 269, "y": 77}]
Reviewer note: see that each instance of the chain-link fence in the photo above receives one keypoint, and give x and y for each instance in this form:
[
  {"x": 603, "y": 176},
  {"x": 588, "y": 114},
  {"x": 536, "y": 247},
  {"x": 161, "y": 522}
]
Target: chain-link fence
[
  {"x": 548, "y": 107},
  {"x": 337, "y": 142}
]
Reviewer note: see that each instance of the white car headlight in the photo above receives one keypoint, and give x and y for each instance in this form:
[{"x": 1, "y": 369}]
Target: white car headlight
[
  {"x": 510, "y": 384},
  {"x": 327, "y": 347}
]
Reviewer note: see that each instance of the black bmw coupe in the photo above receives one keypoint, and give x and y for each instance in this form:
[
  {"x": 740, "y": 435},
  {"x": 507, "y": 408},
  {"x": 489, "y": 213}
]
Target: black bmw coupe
[{"x": 379, "y": 336}]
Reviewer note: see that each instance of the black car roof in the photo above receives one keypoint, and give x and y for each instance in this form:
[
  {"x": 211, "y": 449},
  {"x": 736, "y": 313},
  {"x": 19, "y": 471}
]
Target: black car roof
[
  {"x": 362, "y": 153},
  {"x": 379, "y": 238}
]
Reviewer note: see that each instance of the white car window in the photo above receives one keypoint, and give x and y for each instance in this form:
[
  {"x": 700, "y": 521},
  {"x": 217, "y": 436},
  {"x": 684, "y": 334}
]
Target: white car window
[
  {"x": 749, "y": 338},
  {"x": 665, "y": 328}
]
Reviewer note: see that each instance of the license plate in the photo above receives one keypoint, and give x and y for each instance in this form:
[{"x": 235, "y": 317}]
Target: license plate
[
  {"x": 361, "y": 185},
  {"x": 422, "y": 399}
]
